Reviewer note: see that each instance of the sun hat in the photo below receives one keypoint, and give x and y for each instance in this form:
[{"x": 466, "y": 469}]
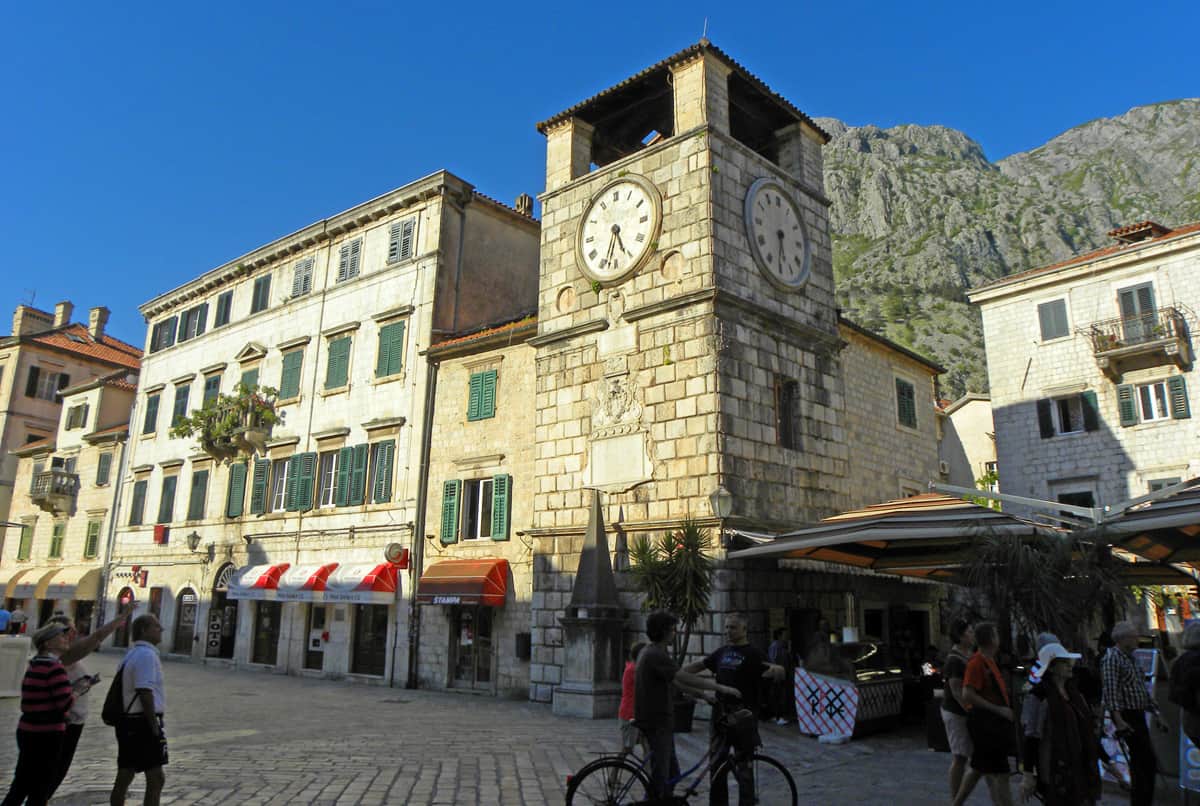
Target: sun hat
[
  {"x": 1047, "y": 655},
  {"x": 47, "y": 633}
]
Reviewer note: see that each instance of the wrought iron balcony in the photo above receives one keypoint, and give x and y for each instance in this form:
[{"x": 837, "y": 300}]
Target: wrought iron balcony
[
  {"x": 1130, "y": 342},
  {"x": 54, "y": 490}
]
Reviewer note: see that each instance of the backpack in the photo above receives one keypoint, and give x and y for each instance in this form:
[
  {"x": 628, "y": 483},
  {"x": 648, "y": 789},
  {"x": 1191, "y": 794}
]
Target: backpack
[{"x": 112, "y": 711}]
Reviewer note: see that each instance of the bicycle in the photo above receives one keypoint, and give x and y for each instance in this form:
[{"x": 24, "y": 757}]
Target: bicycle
[{"x": 622, "y": 779}]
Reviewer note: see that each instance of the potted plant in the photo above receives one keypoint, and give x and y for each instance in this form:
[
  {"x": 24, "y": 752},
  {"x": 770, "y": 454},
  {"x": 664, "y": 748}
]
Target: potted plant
[
  {"x": 234, "y": 425},
  {"x": 675, "y": 574}
]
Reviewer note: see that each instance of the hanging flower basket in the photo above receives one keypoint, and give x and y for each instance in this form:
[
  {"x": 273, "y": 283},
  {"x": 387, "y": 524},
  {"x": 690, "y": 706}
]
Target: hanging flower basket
[{"x": 232, "y": 426}]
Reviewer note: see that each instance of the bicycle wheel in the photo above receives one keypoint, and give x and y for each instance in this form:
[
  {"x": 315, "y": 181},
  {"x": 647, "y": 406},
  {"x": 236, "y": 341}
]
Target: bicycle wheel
[
  {"x": 608, "y": 781},
  {"x": 758, "y": 779}
]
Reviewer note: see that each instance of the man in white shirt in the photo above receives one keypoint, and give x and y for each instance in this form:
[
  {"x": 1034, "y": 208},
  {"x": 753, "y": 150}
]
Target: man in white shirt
[{"x": 141, "y": 741}]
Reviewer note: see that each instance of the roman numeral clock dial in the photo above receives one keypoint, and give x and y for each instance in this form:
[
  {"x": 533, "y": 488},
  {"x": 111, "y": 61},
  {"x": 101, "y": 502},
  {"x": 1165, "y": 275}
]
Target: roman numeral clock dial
[
  {"x": 777, "y": 236},
  {"x": 619, "y": 229}
]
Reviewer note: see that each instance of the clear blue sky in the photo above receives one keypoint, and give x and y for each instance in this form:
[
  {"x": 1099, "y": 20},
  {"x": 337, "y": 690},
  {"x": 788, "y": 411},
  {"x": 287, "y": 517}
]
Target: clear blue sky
[{"x": 146, "y": 143}]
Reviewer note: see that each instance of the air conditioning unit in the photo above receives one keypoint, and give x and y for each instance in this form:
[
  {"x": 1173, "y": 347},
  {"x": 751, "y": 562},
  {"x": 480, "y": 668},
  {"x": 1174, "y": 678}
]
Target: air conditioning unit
[
  {"x": 944, "y": 467},
  {"x": 162, "y": 533}
]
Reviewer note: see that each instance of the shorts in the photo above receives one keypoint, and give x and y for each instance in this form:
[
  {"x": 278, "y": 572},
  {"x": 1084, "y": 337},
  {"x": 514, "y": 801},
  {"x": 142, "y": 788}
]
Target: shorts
[
  {"x": 137, "y": 748},
  {"x": 957, "y": 734},
  {"x": 992, "y": 739}
]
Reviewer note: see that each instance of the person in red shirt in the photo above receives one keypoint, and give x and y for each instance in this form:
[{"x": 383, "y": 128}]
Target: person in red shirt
[
  {"x": 629, "y": 732},
  {"x": 45, "y": 699},
  {"x": 989, "y": 719}
]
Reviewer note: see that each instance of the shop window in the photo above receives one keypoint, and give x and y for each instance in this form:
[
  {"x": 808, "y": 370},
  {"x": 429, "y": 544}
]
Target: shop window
[
  {"x": 471, "y": 646},
  {"x": 369, "y": 651},
  {"x": 265, "y": 644}
]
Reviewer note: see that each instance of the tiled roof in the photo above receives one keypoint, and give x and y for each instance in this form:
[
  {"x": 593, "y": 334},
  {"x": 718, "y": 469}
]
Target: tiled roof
[
  {"x": 527, "y": 321},
  {"x": 1095, "y": 255},
  {"x": 692, "y": 50},
  {"x": 114, "y": 430},
  {"x": 46, "y": 443},
  {"x": 75, "y": 338}
]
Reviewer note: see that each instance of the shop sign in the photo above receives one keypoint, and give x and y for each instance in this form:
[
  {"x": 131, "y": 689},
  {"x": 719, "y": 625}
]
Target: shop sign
[
  {"x": 450, "y": 600},
  {"x": 825, "y": 705}
]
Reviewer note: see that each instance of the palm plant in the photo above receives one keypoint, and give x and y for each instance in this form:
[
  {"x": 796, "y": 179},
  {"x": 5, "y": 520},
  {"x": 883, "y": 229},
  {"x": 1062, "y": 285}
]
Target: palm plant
[{"x": 675, "y": 574}]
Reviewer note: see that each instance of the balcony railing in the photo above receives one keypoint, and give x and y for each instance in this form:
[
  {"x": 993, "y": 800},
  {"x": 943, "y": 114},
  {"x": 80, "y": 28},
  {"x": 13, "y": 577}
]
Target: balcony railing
[
  {"x": 54, "y": 490},
  {"x": 1155, "y": 337}
]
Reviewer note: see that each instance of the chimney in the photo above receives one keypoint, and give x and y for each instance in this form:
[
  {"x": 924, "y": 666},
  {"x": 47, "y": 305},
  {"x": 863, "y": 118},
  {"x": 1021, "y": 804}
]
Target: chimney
[
  {"x": 28, "y": 320},
  {"x": 524, "y": 205},
  {"x": 62, "y": 313},
  {"x": 97, "y": 319}
]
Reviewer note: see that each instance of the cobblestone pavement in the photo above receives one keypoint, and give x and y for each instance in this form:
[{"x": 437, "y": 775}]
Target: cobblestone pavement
[{"x": 254, "y": 738}]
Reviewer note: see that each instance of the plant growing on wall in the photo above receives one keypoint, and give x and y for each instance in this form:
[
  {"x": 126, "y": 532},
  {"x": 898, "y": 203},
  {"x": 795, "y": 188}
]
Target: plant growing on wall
[
  {"x": 231, "y": 425},
  {"x": 675, "y": 574}
]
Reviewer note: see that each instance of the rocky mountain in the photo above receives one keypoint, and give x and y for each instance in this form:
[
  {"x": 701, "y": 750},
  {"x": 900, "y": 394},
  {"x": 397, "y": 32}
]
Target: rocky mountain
[{"x": 920, "y": 215}]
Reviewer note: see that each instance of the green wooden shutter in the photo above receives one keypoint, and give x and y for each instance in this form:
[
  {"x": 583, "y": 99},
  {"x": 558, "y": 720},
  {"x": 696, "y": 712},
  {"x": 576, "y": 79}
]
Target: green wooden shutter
[
  {"x": 1091, "y": 411},
  {"x": 92, "y": 546},
  {"x": 305, "y": 480},
  {"x": 1045, "y": 418},
  {"x": 341, "y": 495},
  {"x": 381, "y": 492},
  {"x": 31, "y": 385},
  {"x": 201, "y": 318},
  {"x": 258, "y": 486},
  {"x": 250, "y": 378},
  {"x": 1177, "y": 392},
  {"x": 474, "y": 393},
  {"x": 337, "y": 369},
  {"x": 391, "y": 350},
  {"x": 1127, "y": 404},
  {"x": 166, "y": 504},
  {"x": 137, "y": 506},
  {"x": 291, "y": 491},
  {"x": 198, "y": 496},
  {"x": 179, "y": 412},
  {"x": 451, "y": 493},
  {"x": 151, "y": 421},
  {"x": 26, "y": 545},
  {"x": 212, "y": 388},
  {"x": 487, "y": 395},
  {"x": 289, "y": 382},
  {"x": 501, "y": 498},
  {"x": 56, "y": 540},
  {"x": 103, "y": 468},
  {"x": 358, "y": 475},
  {"x": 236, "y": 497}
]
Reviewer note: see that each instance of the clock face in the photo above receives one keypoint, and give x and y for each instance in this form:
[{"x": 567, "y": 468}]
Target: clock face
[
  {"x": 618, "y": 230},
  {"x": 777, "y": 235}
]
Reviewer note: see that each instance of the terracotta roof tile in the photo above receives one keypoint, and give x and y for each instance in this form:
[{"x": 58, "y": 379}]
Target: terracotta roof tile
[
  {"x": 488, "y": 332},
  {"x": 1095, "y": 255},
  {"x": 75, "y": 338},
  {"x": 114, "y": 429}
]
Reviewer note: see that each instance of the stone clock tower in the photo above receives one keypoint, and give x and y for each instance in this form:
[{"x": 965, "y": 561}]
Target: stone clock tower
[{"x": 686, "y": 320}]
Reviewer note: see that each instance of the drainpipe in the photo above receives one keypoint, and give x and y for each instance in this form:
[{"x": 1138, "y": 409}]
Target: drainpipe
[{"x": 418, "y": 536}]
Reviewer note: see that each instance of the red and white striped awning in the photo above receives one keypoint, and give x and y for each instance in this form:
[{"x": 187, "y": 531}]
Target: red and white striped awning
[
  {"x": 363, "y": 583},
  {"x": 256, "y": 581},
  {"x": 304, "y": 583}
]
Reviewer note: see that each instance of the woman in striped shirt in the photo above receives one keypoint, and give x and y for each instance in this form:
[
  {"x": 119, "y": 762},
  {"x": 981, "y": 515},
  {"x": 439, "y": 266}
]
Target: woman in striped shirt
[{"x": 45, "y": 699}]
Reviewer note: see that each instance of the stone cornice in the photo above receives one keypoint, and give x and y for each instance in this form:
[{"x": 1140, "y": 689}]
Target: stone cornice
[
  {"x": 594, "y": 326},
  {"x": 670, "y": 304},
  {"x": 832, "y": 342}
]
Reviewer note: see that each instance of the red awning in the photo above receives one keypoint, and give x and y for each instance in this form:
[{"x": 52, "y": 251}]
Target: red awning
[
  {"x": 301, "y": 582},
  {"x": 256, "y": 581},
  {"x": 368, "y": 583},
  {"x": 482, "y": 582}
]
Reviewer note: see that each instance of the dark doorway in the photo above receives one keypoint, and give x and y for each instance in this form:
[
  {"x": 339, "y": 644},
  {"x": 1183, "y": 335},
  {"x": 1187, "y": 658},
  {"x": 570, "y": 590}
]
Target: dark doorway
[
  {"x": 368, "y": 655},
  {"x": 265, "y": 648},
  {"x": 471, "y": 646},
  {"x": 83, "y": 617},
  {"x": 314, "y": 649},
  {"x": 185, "y": 621},
  {"x": 45, "y": 611},
  {"x": 121, "y": 636},
  {"x": 222, "y": 618}
]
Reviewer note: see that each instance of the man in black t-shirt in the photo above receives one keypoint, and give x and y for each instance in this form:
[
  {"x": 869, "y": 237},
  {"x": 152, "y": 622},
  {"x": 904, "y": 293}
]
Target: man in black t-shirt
[{"x": 745, "y": 668}]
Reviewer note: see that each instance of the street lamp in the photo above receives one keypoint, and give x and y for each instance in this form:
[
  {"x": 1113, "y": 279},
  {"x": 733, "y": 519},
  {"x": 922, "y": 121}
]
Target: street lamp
[
  {"x": 193, "y": 541},
  {"x": 721, "y": 501}
]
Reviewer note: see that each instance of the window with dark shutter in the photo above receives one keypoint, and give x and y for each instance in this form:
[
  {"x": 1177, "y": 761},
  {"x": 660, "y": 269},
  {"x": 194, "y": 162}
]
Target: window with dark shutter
[
  {"x": 400, "y": 240},
  {"x": 337, "y": 370},
  {"x": 179, "y": 412},
  {"x": 1177, "y": 391},
  {"x": 31, "y": 385},
  {"x": 391, "y": 350},
  {"x": 348, "y": 257},
  {"x": 150, "y": 423},
  {"x": 306, "y": 474},
  {"x": 481, "y": 395},
  {"x": 91, "y": 546},
  {"x": 262, "y": 294},
  {"x": 224, "y": 308},
  {"x": 289, "y": 380},
  {"x": 137, "y": 504},
  {"x": 1052, "y": 317},
  {"x": 906, "y": 403},
  {"x": 341, "y": 495},
  {"x": 382, "y": 456},
  {"x": 258, "y": 486},
  {"x": 358, "y": 475},
  {"x": 57, "y": 533},
  {"x": 250, "y": 378},
  {"x": 235, "y": 498},
  {"x": 212, "y": 388},
  {"x": 787, "y": 394},
  {"x": 103, "y": 469},
  {"x": 166, "y": 504},
  {"x": 450, "y": 496},
  {"x": 25, "y": 547},
  {"x": 501, "y": 498},
  {"x": 199, "y": 495},
  {"x": 302, "y": 277},
  {"x": 1127, "y": 405},
  {"x": 1091, "y": 411}
]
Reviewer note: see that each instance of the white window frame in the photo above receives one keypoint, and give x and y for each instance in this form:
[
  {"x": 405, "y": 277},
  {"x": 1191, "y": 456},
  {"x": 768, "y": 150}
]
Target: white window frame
[
  {"x": 327, "y": 463},
  {"x": 1159, "y": 404},
  {"x": 279, "y": 472},
  {"x": 479, "y": 493},
  {"x": 1059, "y": 402},
  {"x": 47, "y": 387},
  {"x": 1154, "y": 485}
]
